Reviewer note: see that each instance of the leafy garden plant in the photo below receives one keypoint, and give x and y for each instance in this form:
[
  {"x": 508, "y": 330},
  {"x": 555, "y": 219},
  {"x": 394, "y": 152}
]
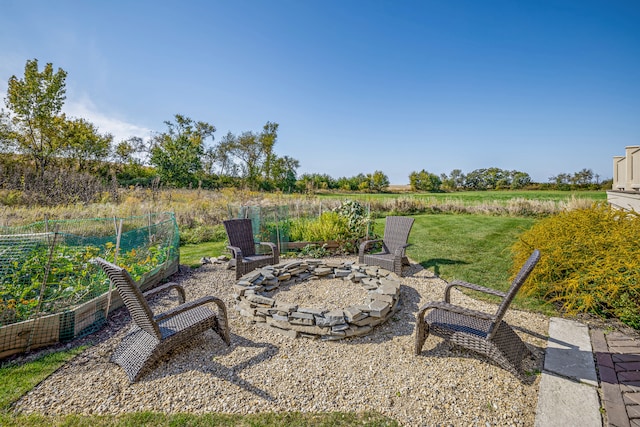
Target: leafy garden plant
[
  {"x": 69, "y": 280},
  {"x": 347, "y": 223},
  {"x": 590, "y": 262}
]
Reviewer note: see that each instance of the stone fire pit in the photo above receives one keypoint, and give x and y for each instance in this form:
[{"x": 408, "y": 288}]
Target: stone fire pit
[{"x": 253, "y": 300}]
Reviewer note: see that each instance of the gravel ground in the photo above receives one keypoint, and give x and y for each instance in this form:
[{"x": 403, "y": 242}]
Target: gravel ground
[{"x": 266, "y": 371}]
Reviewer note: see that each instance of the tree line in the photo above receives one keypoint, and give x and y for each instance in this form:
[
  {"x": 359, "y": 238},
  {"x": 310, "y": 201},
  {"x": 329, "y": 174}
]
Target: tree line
[
  {"x": 43, "y": 148},
  {"x": 500, "y": 179}
]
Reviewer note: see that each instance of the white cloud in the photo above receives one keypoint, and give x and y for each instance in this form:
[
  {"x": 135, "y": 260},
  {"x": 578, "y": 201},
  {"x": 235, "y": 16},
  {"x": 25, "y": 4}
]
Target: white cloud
[{"x": 120, "y": 129}]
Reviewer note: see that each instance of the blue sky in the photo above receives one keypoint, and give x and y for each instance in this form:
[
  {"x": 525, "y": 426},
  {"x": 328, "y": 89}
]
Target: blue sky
[{"x": 540, "y": 86}]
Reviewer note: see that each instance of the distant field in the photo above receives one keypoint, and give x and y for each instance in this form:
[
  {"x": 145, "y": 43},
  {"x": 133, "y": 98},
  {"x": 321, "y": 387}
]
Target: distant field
[{"x": 473, "y": 197}]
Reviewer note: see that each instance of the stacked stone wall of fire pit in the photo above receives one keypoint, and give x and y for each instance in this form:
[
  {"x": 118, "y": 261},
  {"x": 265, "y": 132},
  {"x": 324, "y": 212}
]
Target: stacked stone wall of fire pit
[{"x": 251, "y": 293}]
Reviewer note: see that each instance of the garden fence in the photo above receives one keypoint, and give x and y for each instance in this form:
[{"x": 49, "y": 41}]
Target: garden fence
[
  {"x": 50, "y": 291},
  {"x": 272, "y": 223}
]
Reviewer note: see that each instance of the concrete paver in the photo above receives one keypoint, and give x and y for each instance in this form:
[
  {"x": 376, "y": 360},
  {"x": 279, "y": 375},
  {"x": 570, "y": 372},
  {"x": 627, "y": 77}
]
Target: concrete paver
[
  {"x": 569, "y": 352},
  {"x": 562, "y": 402},
  {"x": 568, "y": 394}
]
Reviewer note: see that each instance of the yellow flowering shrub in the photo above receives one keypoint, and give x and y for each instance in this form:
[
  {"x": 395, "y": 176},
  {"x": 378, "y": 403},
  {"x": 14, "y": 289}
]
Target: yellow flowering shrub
[{"x": 590, "y": 262}]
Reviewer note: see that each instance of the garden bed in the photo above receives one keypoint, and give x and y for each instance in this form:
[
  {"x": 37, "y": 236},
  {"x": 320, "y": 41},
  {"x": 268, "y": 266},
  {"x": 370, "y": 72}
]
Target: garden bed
[
  {"x": 50, "y": 292},
  {"x": 60, "y": 327}
]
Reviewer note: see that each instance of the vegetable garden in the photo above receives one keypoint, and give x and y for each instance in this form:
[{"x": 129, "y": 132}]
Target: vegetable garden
[{"x": 50, "y": 292}]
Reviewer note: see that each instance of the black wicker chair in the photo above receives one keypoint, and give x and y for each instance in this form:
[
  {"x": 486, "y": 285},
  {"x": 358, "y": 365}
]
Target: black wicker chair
[
  {"x": 151, "y": 337},
  {"x": 243, "y": 247},
  {"x": 394, "y": 243},
  {"x": 481, "y": 332}
]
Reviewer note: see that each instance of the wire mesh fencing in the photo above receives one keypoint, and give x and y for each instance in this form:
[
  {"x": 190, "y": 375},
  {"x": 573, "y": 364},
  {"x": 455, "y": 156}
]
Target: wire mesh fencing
[
  {"x": 280, "y": 224},
  {"x": 50, "y": 292}
]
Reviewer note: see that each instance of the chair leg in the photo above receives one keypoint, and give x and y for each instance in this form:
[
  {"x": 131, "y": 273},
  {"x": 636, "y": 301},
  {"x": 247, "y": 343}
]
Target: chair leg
[
  {"x": 422, "y": 332},
  {"x": 222, "y": 323}
]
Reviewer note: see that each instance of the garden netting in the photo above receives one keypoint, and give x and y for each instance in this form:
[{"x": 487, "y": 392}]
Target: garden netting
[
  {"x": 50, "y": 291},
  {"x": 276, "y": 223}
]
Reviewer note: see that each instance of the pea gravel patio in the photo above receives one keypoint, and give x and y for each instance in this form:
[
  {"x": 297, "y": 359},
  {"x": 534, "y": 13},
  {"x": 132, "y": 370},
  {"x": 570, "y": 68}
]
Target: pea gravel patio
[{"x": 263, "y": 370}]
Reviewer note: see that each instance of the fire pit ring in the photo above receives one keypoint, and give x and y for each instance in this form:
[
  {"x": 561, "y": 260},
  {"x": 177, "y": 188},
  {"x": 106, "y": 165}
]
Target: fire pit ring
[{"x": 291, "y": 320}]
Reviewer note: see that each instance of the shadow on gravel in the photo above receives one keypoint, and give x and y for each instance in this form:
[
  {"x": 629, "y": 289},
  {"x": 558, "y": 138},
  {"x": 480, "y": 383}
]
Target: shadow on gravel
[
  {"x": 531, "y": 366},
  {"x": 218, "y": 350}
]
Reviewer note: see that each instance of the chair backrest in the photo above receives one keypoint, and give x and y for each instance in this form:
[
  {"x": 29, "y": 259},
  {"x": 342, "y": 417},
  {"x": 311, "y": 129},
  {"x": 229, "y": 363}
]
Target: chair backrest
[
  {"x": 240, "y": 234},
  {"x": 396, "y": 232},
  {"x": 131, "y": 296},
  {"x": 517, "y": 283}
]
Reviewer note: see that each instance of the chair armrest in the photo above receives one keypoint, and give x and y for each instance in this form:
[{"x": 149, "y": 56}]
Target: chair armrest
[
  {"x": 474, "y": 287},
  {"x": 274, "y": 248},
  {"x": 364, "y": 245},
  {"x": 400, "y": 250},
  {"x": 187, "y": 306},
  {"x": 441, "y": 305},
  {"x": 236, "y": 252},
  {"x": 167, "y": 286}
]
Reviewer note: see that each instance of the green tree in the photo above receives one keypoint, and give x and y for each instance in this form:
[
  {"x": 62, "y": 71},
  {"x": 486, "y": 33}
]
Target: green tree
[
  {"x": 583, "y": 177},
  {"x": 32, "y": 124},
  {"x": 424, "y": 181},
  {"x": 379, "y": 181},
  {"x": 344, "y": 183},
  {"x": 128, "y": 159},
  {"x": 519, "y": 180},
  {"x": 124, "y": 153},
  {"x": 284, "y": 173},
  {"x": 82, "y": 143},
  {"x": 310, "y": 182},
  {"x": 454, "y": 181},
  {"x": 255, "y": 159},
  {"x": 267, "y": 139},
  {"x": 247, "y": 150},
  {"x": 219, "y": 159},
  {"x": 177, "y": 153}
]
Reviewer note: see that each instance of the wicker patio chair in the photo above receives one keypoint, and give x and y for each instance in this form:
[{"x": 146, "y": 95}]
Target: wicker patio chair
[
  {"x": 243, "y": 247},
  {"x": 394, "y": 243},
  {"x": 151, "y": 337},
  {"x": 480, "y": 332}
]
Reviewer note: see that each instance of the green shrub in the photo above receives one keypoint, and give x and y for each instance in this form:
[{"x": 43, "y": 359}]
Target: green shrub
[
  {"x": 590, "y": 262},
  {"x": 348, "y": 221},
  {"x": 328, "y": 226},
  {"x": 313, "y": 251},
  {"x": 359, "y": 222}
]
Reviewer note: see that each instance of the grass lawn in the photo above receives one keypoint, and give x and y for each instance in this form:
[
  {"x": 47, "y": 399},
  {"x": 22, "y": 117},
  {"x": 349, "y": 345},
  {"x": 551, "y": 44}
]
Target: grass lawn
[
  {"x": 338, "y": 419},
  {"x": 473, "y": 248},
  {"x": 475, "y": 197},
  {"x": 190, "y": 254},
  {"x": 18, "y": 379}
]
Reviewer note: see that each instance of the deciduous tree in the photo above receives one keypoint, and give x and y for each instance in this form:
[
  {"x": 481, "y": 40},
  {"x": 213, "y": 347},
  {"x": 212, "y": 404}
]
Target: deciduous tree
[
  {"x": 82, "y": 143},
  {"x": 424, "y": 181},
  {"x": 177, "y": 153},
  {"x": 31, "y": 126},
  {"x": 379, "y": 181}
]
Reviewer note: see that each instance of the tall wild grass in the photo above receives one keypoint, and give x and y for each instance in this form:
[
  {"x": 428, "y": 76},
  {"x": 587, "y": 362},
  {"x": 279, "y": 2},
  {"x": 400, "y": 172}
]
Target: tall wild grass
[{"x": 197, "y": 208}]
